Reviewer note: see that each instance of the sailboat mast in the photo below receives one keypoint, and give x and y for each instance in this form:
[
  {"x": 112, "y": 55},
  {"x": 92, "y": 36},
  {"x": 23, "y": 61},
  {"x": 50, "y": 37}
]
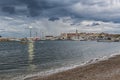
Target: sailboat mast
[{"x": 30, "y": 27}]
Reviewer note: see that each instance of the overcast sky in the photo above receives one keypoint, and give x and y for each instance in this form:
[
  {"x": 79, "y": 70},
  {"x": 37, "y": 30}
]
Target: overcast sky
[{"x": 52, "y": 17}]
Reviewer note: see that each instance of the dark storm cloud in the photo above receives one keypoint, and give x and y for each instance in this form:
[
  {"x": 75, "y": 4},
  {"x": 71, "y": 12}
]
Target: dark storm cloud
[
  {"x": 42, "y": 8},
  {"x": 53, "y": 18},
  {"x": 47, "y": 8},
  {"x": 86, "y": 10},
  {"x": 33, "y": 6},
  {"x": 8, "y": 9}
]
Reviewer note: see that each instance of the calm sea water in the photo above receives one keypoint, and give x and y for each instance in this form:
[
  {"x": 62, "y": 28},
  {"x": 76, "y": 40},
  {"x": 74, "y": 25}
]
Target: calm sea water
[{"x": 19, "y": 60}]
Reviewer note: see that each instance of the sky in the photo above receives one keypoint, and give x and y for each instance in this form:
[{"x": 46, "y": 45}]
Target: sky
[{"x": 53, "y": 17}]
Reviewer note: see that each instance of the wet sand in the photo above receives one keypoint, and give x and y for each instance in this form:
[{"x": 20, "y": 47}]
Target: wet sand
[{"x": 102, "y": 70}]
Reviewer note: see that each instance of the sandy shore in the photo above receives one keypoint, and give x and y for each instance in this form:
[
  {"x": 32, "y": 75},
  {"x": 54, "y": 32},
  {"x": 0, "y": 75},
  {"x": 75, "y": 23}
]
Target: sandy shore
[{"x": 102, "y": 70}]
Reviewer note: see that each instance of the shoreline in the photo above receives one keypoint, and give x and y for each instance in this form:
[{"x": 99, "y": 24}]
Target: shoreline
[{"x": 105, "y": 69}]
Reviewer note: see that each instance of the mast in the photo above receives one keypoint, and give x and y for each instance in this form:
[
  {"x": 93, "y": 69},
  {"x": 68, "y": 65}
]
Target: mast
[
  {"x": 77, "y": 36},
  {"x": 36, "y": 34},
  {"x": 30, "y": 27}
]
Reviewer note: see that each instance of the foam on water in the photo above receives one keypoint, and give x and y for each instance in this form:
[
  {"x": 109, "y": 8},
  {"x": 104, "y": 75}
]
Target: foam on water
[{"x": 53, "y": 71}]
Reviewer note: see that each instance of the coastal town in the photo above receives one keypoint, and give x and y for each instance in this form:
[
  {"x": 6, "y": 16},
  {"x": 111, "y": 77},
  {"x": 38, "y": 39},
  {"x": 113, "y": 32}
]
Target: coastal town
[{"x": 75, "y": 36}]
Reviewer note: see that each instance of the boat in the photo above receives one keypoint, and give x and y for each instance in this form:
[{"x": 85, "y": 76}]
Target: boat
[
  {"x": 106, "y": 40},
  {"x": 26, "y": 40},
  {"x": 100, "y": 40}
]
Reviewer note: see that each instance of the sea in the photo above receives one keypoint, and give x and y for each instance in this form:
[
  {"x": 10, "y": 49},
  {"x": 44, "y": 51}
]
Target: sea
[{"x": 19, "y": 61}]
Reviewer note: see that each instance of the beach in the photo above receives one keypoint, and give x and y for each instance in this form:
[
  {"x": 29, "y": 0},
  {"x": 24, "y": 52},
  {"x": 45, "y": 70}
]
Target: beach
[{"x": 101, "y": 70}]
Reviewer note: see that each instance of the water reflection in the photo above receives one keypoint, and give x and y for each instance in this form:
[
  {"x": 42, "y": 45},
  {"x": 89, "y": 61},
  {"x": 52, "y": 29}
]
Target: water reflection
[{"x": 31, "y": 56}]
